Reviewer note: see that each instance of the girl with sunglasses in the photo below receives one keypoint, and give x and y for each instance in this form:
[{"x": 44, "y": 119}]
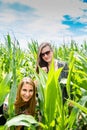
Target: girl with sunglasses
[{"x": 44, "y": 59}]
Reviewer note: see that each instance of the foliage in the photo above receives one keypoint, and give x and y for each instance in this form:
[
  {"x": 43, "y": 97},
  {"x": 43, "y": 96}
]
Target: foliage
[
  {"x": 16, "y": 63},
  {"x": 26, "y": 120}
]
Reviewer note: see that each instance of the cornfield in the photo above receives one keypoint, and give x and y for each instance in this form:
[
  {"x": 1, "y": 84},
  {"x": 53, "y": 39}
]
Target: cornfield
[{"x": 16, "y": 63}]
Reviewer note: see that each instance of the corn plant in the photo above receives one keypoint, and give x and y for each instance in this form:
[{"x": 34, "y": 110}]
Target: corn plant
[{"x": 16, "y": 63}]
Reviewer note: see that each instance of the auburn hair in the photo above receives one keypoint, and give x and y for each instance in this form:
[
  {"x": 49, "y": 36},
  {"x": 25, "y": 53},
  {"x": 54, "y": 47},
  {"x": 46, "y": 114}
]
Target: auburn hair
[{"x": 20, "y": 103}]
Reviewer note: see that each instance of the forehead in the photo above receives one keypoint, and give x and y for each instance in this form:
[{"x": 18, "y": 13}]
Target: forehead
[
  {"x": 27, "y": 86},
  {"x": 44, "y": 49}
]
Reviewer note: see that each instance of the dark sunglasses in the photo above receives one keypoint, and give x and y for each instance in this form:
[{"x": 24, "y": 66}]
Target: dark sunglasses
[{"x": 45, "y": 53}]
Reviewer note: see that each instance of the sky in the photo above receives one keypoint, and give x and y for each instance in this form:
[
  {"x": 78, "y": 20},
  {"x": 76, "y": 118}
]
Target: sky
[{"x": 55, "y": 21}]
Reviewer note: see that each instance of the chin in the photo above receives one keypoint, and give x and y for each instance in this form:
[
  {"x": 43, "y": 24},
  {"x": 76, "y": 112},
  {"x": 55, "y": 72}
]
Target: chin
[{"x": 26, "y": 100}]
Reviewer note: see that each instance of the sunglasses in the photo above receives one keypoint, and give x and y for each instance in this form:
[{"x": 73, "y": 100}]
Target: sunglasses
[{"x": 45, "y": 53}]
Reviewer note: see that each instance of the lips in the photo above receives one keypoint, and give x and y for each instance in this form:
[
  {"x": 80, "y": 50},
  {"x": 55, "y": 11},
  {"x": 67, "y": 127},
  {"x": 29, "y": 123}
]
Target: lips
[{"x": 26, "y": 98}]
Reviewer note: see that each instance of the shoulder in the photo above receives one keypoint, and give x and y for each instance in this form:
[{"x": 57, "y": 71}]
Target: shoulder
[
  {"x": 64, "y": 72},
  {"x": 5, "y": 105},
  {"x": 62, "y": 64}
]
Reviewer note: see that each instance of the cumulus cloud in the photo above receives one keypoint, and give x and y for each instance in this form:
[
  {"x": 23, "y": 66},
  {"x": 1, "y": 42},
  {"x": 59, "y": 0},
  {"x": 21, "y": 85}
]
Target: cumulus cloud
[{"x": 43, "y": 19}]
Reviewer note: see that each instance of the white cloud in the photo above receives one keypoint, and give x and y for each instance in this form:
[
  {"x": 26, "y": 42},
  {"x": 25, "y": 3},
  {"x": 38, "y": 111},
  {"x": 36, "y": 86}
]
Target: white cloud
[
  {"x": 54, "y": 8},
  {"x": 84, "y": 30},
  {"x": 7, "y": 17},
  {"x": 47, "y": 26}
]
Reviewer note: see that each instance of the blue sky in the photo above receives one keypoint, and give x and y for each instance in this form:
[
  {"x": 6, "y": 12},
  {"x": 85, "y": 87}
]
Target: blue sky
[{"x": 56, "y": 21}]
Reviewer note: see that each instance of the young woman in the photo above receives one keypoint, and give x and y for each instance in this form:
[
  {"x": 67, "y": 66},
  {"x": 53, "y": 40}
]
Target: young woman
[
  {"x": 45, "y": 55},
  {"x": 44, "y": 59},
  {"x": 25, "y": 99}
]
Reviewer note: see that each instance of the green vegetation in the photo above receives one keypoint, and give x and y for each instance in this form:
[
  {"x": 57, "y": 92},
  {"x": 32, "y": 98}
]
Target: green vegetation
[{"x": 16, "y": 63}]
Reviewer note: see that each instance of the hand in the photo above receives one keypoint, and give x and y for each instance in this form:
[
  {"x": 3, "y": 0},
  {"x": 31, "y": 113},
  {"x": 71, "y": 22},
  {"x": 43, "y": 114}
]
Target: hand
[{"x": 5, "y": 108}]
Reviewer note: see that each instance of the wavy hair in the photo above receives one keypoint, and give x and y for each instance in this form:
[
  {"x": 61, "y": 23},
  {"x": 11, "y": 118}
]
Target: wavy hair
[{"x": 20, "y": 103}]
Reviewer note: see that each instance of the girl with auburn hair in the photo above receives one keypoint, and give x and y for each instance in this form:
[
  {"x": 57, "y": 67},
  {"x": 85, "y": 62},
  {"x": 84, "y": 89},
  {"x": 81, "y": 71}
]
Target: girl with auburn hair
[{"x": 26, "y": 98}]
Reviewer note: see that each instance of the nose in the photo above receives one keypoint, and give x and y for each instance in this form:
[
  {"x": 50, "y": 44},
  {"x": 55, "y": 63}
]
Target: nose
[{"x": 27, "y": 93}]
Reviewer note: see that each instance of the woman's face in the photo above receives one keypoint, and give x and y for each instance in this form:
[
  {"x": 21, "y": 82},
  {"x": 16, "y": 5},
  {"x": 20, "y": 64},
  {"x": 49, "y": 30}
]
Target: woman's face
[
  {"x": 26, "y": 92},
  {"x": 47, "y": 54}
]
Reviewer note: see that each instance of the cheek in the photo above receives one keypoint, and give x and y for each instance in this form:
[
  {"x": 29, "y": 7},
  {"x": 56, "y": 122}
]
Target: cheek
[
  {"x": 22, "y": 93},
  {"x": 31, "y": 94},
  {"x": 51, "y": 54}
]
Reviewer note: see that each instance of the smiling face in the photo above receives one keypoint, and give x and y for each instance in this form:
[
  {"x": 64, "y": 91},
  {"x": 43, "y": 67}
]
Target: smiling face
[
  {"x": 26, "y": 92},
  {"x": 47, "y": 54}
]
